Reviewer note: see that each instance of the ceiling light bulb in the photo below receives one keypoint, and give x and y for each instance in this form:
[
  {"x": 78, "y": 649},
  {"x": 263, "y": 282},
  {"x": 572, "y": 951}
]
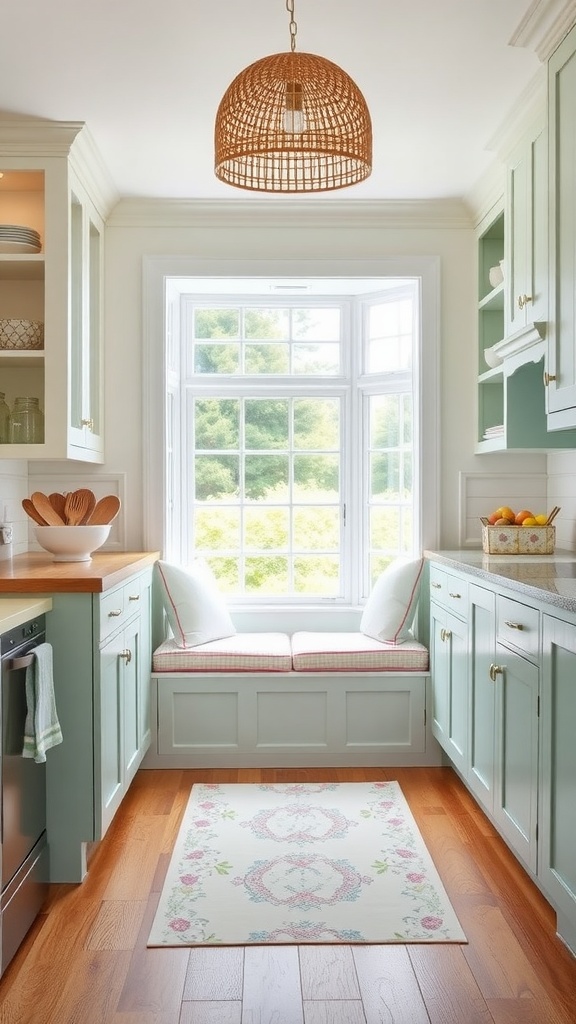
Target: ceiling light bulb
[{"x": 293, "y": 120}]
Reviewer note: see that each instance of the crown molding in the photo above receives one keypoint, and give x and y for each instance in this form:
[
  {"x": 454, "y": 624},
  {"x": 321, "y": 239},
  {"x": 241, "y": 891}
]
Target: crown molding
[
  {"x": 544, "y": 26},
  {"x": 487, "y": 193},
  {"x": 37, "y": 138},
  {"x": 86, "y": 161},
  {"x": 197, "y": 213}
]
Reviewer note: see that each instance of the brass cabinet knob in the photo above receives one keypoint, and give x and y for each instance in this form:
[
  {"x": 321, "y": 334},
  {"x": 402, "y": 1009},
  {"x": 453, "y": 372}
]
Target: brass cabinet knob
[
  {"x": 87, "y": 423},
  {"x": 548, "y": 377},
  {"x": 523, "y": 300},
  {"x": 495, "y": 670},
  {"x": 127, "y": 655}
]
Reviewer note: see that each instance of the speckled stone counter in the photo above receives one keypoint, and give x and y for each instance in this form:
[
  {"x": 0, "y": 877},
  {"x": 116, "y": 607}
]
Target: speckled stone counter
[{"x": 546, "y": 578}]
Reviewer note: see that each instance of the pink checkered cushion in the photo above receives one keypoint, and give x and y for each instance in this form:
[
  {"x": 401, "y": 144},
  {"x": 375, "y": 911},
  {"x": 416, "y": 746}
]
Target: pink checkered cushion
[
  {"x": 354, "y": 652},
  {"x": 244, "y": 652}
]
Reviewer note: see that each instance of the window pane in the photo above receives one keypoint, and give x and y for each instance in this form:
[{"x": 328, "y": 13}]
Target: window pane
[
  {"x": 267, "y": 359},
  {"x": 266, "y": 477},
  {"x": 262, "y": 324},
  {"x": 317, "y": 423},
  {"x": 316, "y": 324},
  {"x": 266, "y": 423},
  {"x": 216, "y": 359},
  {"x": 227, "y": 572},
  {"x": 316, "y": 476},
  {"x": 216, "y": 323},
  {"x": 266, "y": 528},
  {"x": 216, "y": 530},
  {"x": 267, "y": 574},
  {"x": 216, "y": 477},
  {"x": 390, "y": 331},
  {"x": 216, "y": 424},
  {"x": 385, "y": 529},
  {"x": 316, "y": 528},
  {"x": 320, "y": 358},
  {"x": 317, "y": 575}
]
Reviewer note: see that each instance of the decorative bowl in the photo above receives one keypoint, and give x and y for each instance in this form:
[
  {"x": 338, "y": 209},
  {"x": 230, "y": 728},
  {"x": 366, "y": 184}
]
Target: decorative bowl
[
  {"x": 21, "y": 334},
  {"x": 71, "y": 543}
]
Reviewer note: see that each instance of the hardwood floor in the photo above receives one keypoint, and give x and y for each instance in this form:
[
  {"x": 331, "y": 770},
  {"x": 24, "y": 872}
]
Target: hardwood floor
[{"x": 85, "y": 960}]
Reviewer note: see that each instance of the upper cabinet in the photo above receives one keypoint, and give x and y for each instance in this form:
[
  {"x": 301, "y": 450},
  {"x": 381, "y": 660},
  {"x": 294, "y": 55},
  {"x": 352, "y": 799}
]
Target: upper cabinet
[
  {"x": 47, "y": 172},
  {"x": 561, "y": 363},
  {"x": 513, "y": 296},
  {"x": 526, "y": 241}
]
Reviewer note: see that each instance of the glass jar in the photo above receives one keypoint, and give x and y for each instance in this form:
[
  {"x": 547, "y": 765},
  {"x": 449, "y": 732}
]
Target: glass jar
[
  {"x": 4, "y": 420},
  {"x": 26, "y": 422}
]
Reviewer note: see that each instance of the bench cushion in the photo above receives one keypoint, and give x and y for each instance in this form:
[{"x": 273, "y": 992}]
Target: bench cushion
[
  {"x": 244, "y": 652},
  {"x": 354, "y": 652}
]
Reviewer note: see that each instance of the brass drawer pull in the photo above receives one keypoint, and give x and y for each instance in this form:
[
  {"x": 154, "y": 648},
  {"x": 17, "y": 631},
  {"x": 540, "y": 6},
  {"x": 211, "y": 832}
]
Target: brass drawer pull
[
  {"x": 134, "y": 597},
  {"x": 437, "y": 586},
  {"x": 513, "y": 625},
  {"x": 455, "y": 595},
  {"x": 115, "y": 613},
  {"x": 495, "y": 670}
]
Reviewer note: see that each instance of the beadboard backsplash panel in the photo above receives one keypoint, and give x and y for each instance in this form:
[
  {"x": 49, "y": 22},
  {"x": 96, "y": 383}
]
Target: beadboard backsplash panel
[
  {"x": 562, "y": 492},
  {"x": 482, "y": 493},
  {"x": 14, "y": 487}
]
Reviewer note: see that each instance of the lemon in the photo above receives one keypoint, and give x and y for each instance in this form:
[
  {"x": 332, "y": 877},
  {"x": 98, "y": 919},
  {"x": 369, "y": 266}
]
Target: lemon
[
  {"x": 530, "y": 521},
  {"x": 541, "y": 520}
]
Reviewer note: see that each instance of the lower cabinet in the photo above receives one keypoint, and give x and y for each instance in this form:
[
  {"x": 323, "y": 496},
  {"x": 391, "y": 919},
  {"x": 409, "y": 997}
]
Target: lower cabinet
[
  {"x": 557, "y": 863},
  {"x": 102, "y": 663},
  {"x": 449, "y": 667},
  {"x": 516, "y": 664}
]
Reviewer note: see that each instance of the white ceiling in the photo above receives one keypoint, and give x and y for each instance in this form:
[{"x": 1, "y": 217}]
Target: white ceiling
[{"x": 439, "y": 77}]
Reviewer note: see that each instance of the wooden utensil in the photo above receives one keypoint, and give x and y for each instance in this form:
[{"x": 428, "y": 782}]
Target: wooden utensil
[
  {"x": 42, "y": 505},
  {"x": 105, "y": 511},
  {"x": 90, "y": 503},
  {"x": 553, "y": 515},
  {"x": 33, "y": 512},
  {"x": 75, "y": 506},
  {"x": 57, "y": 501}
]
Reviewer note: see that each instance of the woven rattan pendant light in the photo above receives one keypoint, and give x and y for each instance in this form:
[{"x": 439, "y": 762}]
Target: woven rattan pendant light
[{"x": 293, "y": 122}]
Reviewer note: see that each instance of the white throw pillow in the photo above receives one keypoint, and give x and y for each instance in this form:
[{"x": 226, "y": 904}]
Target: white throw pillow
[
  {"x": 389, "y": 611},
  {"x": 194, "y": 606}
]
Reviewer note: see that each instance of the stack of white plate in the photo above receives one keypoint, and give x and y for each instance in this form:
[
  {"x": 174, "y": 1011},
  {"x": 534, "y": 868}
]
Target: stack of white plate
[{"x": 16, "y": 238}]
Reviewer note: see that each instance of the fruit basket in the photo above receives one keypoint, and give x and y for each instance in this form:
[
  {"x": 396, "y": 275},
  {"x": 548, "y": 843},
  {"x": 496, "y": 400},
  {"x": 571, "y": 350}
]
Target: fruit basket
[{"x": 518, "y": 540}]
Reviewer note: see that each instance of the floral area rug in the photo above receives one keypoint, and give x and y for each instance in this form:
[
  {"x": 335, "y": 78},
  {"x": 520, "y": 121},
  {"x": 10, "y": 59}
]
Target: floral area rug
[{"x": 301, "y": 863}]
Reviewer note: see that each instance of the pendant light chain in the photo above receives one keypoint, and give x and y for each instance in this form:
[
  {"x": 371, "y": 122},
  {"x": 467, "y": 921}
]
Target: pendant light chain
[{"x": 292, "y": 26}]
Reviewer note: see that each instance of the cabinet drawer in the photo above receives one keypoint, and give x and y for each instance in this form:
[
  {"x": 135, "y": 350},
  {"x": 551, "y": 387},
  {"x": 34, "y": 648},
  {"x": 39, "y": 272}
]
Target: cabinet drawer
[
  {"x": 119, "y": 605},
  {"x": 518, "y": 626},
  {"x": 449, "y": 591}
]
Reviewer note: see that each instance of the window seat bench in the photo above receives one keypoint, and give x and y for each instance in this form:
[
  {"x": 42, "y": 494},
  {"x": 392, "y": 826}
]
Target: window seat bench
[{"x": 306, "y": 700}]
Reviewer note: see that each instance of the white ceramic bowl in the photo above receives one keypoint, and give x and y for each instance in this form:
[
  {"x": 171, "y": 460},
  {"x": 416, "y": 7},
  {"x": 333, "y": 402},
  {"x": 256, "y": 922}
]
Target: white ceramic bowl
[
  {"x": 495, "y": 276},
  {"x": 71, "y": 543}
]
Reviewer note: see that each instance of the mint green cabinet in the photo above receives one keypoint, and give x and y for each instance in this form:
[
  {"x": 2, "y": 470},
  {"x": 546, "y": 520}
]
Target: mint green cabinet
[
  {"x": 481, "y": 766},
  {"x": 557, "y": 868},
  {"x": 526, "y": 249},
  {"x": 448, "y": 664},
  {"x": 561, "y": 336},
  {"x": 102, "y": 663}
]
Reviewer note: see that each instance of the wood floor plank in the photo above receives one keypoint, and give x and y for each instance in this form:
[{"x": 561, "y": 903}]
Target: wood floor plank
[
  {"x": 328, "y": 972},
  {"x": 448, "y": 987},
  {"x": 271, "y": 993},
  {"x": 211, "y": 1013},
  {"x": 154, "y": 981},
  {"x": 215, "y": 972},
  {"x": 495, "y": 956},
  {"x": 116, "y": 925},
  {"x": 345, "y": 1011},
  {"x": 388, "y": 986}
]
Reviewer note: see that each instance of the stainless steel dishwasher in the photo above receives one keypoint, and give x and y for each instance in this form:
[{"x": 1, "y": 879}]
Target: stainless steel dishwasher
[{"x": 24, "y": 852}]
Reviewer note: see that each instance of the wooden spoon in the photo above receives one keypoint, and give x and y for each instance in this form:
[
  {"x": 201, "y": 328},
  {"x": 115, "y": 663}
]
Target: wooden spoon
[
  {"x": 42, "y": 505},
  {"x": 57, "y": 501},
  {"x": 90, "y": 504},
  {"x": 32, "y": 512},
  {"x": 75, "y": 506},
  {"x": 105, "y": 511}
]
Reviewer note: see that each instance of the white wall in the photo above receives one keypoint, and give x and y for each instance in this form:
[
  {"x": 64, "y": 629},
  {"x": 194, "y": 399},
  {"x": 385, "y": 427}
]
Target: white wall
[
  {"x": 14, "y": 487},
  {"x": 285, "y": 230},
  {"x": 261, "y": 231}
]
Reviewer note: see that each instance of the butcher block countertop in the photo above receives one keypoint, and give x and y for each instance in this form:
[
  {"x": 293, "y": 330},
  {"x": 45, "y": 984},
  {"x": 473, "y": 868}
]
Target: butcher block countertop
[{"x": 36, "y": 573}]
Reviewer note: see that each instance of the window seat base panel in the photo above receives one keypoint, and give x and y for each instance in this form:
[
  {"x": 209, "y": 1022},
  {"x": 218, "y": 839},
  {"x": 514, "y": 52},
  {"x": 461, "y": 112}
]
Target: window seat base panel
[{"x": 291, "y": 719}]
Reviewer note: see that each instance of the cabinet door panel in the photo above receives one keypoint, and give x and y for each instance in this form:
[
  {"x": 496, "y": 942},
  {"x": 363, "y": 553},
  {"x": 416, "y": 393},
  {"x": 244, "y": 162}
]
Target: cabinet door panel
[
  {"x": 482, "y": 696},
  {"x": 111, "y": 726},
  {"x": 131, "y": 697},
  {"x": 558, "y": 859},
  {"x": 516, "y": 801}
]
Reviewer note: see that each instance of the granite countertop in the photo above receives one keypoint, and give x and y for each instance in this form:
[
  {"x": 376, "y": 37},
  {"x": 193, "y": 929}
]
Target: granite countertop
[
  {"x": 547, "y": 578},
  {"x": 37, "y": 573}
]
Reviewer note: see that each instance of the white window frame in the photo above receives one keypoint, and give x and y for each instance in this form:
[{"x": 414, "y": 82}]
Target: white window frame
[{"x": 157, "y": 270}]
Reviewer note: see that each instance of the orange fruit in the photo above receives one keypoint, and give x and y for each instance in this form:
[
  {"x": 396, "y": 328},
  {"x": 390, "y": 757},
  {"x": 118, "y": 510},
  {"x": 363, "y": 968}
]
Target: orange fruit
[
  {"x": 505, "y": 512},
  {"x": 521, "y": 516},
  {"x": 530, "y": 521}
]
